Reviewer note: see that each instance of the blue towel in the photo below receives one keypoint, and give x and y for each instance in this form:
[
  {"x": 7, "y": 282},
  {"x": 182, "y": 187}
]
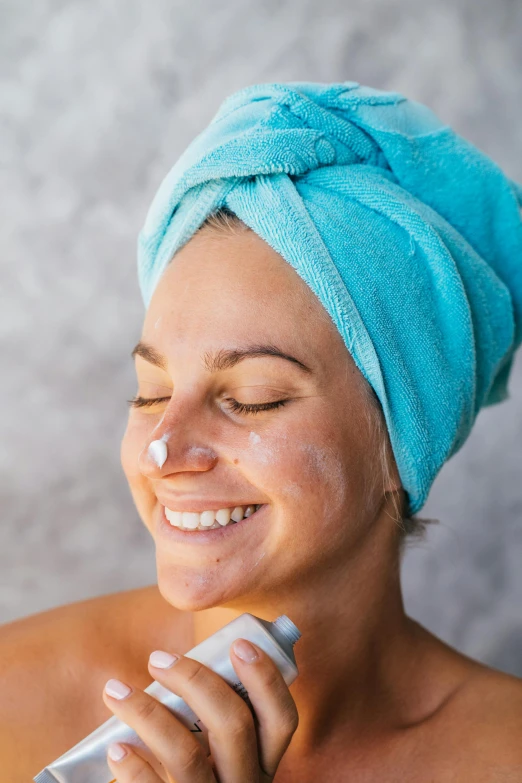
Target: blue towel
[{"x": 408, "y": 234}]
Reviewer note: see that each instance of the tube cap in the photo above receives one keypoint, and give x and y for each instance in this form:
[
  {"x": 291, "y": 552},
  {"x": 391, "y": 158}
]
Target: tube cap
[{"x": 285, "y": 626}]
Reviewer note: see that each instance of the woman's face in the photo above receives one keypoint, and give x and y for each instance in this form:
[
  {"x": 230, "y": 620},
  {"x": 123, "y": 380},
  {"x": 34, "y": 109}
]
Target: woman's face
[{"x": 311, "y": 460}]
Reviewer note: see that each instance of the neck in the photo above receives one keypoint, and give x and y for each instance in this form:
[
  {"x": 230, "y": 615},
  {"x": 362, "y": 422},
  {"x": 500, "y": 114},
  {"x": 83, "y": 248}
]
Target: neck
[
  {"x": 366, "y": 670},
  {"x": 356, "y": 653}
]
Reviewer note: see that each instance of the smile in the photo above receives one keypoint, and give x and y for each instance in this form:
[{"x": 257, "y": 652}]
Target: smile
[
  {"x": 211, "y": 519},
  {"x": 222, "y": 528}
]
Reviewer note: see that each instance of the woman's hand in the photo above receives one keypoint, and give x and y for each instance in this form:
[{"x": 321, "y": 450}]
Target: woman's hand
[{"x": 244, "y": 749}]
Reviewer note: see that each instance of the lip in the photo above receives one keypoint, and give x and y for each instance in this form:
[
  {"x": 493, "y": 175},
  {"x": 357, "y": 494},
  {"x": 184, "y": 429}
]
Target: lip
[{"x": 215, "y": 536}]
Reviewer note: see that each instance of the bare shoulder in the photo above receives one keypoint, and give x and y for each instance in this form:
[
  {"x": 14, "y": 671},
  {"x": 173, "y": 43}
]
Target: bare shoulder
[
  {"x": 484, "y": 727},
  {"x": 54, "y": 664},
  {"x": 496, "y": 699}
]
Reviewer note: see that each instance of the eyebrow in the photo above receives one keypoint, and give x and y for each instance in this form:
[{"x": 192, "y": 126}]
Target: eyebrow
[{"x": 224, "y": 359}]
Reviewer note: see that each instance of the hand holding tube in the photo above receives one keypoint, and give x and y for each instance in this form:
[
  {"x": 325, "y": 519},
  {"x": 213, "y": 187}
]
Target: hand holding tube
[{"x": 245, "y": 745}]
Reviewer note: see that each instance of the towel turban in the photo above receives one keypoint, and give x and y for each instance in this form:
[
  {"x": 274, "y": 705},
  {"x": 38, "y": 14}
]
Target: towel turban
[{"x": 410, "y": 237}]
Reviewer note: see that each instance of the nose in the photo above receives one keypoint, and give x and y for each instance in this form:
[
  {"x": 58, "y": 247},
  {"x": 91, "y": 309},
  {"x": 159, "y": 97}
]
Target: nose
[{"x": 175, "y": 446}]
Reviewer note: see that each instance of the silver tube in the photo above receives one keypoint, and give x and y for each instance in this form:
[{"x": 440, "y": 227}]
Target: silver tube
[{"x": 86, "y": 762}]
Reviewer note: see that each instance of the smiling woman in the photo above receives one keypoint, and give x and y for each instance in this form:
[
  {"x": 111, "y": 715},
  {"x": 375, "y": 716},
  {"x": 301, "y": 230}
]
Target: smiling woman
[
  {"x": 225, "y": 223},
  {"x": 326, "y": 313},
  {"x": 284, "y": 428}
]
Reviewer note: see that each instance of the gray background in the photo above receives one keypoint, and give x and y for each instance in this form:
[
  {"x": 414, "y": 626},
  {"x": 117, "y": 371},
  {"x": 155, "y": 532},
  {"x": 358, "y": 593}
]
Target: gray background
[{"x": 98, "y": 100}]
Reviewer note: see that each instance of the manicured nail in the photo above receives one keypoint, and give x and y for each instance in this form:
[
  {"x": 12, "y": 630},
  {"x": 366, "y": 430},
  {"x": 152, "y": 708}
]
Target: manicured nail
[
  {"x": 245, "y": 650},
  {"x": 116, "y": 751},
  {"x": 117, "y": 689},
  {"x": 162, "y": 660}
]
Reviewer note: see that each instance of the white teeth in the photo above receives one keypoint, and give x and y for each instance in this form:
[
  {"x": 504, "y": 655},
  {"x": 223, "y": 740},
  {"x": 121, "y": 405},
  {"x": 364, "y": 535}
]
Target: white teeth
[
  {"x": 190, "y": 519},
  {"x": 223, "y": 516},
  {"x": 208, "y": 520},
  {"x": 174, "y": 517}
]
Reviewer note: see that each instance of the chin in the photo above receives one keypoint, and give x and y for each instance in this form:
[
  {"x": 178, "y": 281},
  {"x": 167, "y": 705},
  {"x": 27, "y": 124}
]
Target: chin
[{"x": 193, "y": 591}]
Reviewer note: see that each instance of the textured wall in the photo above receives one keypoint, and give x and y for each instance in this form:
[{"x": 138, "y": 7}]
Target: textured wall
[{"x": 98, "y": 100}]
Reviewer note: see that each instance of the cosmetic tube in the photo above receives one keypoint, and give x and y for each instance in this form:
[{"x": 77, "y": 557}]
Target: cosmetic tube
[{"x": 86, "y": 762}]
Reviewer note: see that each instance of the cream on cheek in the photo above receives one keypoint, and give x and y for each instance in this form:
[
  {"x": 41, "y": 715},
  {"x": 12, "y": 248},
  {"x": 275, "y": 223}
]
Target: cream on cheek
[
  {"x": 271, "y": 457},
  {"x": 331, "y": 473},
  {"x": 270, "y": 451},
  {"x": 319, "y": 466}
]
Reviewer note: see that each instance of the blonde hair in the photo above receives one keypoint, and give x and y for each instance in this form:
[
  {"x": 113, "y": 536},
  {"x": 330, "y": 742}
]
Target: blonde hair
[
  {"x": 224, "y": 221},
  {"x": 410, "y": 525}
]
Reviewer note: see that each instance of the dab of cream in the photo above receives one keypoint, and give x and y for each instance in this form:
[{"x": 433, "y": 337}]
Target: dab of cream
[
  {"x": 266, "y": 454},
  {"x": 201, "y": 451},
  {"x": 327, "y": 464},
  {"x": 158, "y": 450}
]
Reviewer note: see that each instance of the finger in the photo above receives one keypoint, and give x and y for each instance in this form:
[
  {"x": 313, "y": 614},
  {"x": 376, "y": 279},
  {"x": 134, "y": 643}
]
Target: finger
[
  {"x": 166, "y": 737},
  {"x": 230, "y": 724},
  {"x": 274, "y": 706},
  {"x": 128, "y": 767}
]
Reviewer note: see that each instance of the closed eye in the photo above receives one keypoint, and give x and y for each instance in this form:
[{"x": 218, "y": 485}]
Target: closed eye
[{"x": 234, "y": 405}]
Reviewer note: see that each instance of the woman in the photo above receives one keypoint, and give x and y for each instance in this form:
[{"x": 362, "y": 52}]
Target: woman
[{"x": 345, "y": 294}]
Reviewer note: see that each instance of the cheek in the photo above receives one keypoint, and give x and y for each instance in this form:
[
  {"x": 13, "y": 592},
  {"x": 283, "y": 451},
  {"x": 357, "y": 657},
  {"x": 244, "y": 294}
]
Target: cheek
[
  {"x": 131, "y": 445},
  {"x": 299, "y": 469},
  {"x": 136, "y": 437},
  {"x": 275, "y": 464},
  {"x": 129, "y": 451},
  {"x": 316, "y": 476},
  {"x": 327, "y": 475}
]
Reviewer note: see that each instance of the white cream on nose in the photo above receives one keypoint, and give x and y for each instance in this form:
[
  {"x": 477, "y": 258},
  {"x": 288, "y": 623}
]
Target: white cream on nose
[{"x": 158, "y": 450}]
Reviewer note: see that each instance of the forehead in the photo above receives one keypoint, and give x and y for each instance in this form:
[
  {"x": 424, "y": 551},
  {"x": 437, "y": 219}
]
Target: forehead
[
  {"x": 237, "y": 263},
  {"x": 235, "y": 287}
]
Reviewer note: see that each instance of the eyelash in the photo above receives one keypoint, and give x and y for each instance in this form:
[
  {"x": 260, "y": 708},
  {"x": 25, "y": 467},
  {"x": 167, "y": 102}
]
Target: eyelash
[{"x": 237, "y": 407}]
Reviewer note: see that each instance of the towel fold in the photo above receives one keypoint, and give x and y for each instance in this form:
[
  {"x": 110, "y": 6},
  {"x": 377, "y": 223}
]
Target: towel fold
[{"x": 409, "y": 235}]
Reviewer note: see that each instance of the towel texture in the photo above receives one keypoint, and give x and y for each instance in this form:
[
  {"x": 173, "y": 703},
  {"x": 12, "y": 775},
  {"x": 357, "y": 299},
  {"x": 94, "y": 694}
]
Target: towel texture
[{"x": 409, "y": 235}]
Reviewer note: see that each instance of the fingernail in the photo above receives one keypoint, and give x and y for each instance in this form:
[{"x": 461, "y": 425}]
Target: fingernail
[
  {"x": 116, "y": 751},
  {"x": 162, "y": 660},
  {"x": 117, "y": 689},
  {"x": 245, "y": 650}
]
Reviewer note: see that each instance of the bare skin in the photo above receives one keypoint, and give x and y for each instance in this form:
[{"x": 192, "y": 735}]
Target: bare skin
[
  {"x": 378, "y": 697},
  {"x": 47, "y": 708}
]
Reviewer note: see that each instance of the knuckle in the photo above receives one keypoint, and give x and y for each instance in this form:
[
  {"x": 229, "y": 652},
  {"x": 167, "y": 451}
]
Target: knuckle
[
  {"x": 141, "y": 775},
  {"x": 239, "y": 722},
  {"x": 190, "y": 759},
  {"x": 290, "y": 718},
  {"x": 273, "y": 677},
  {"x": 146, "y": 708},
  {"x": 198, "y": 671},
  {"x": 201, "y": 677}
]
